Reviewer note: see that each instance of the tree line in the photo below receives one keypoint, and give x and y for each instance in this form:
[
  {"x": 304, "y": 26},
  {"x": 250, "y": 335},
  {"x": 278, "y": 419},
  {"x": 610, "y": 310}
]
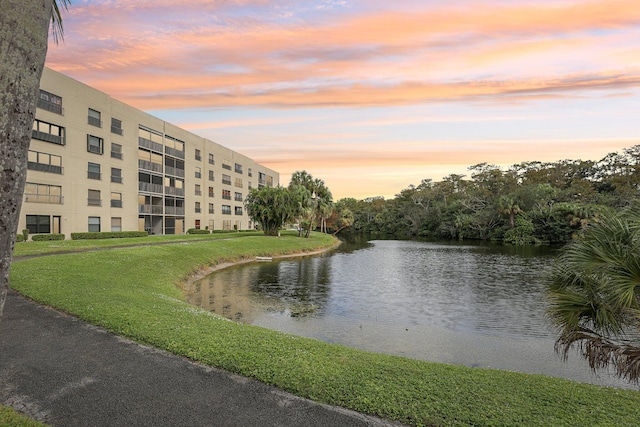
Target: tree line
[{"x": 528, "y": 203}]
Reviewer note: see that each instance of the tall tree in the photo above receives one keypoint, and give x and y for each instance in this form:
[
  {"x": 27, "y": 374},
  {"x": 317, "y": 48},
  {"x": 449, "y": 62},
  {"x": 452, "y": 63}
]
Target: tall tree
[{"x": 24, "y": 34}]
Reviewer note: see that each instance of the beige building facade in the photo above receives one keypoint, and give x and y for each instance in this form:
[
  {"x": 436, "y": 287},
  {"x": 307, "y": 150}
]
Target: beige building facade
[{"x": 97, "y": 164}]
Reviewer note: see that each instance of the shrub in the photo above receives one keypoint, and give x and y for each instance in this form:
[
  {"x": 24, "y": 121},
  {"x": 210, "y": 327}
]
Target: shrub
[
  {"x": 41, "y": 237},
  {"x": 25, "y": 234},
  {"x": 107, "y": 235},
  {"x": 19, "y": 238},
  {"x": 197, "y": 231}
]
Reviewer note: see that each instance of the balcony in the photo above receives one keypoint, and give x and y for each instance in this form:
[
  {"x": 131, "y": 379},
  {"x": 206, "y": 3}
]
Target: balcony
[
  {"x": 173, "y": 191},
  {"x": 42, "y": 167},
  {"x": 149, "y": 187},
  {"x": 146, "y": 143},
  {"x": 47, "y": 137},
  {"x": 174, "y": 210},
  {"x": 49, "y": 106},
  {"x": 173, "y": 152},
  {"x": 150, "y": 166},
  {"x": 170, "y": 170},
  {"x": 150, "y": 209},
  {"x": 44, "y": 198}
]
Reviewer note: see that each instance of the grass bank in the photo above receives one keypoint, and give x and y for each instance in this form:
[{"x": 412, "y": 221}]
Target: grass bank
[
  {"x": 132, "y": 291},
  {"x": 9, "y": 417}
]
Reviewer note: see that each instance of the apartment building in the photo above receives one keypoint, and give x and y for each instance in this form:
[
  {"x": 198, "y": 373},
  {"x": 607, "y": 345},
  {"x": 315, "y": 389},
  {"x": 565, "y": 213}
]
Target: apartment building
[{"x": 97, "y": 164}]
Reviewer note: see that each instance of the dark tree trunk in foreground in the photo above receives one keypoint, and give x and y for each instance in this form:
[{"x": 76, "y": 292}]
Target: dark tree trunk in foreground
[{"x": 24, "y": 33}]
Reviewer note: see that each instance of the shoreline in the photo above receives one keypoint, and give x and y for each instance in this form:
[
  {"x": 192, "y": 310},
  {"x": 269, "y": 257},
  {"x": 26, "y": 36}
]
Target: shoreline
[{"x": 186, "y": 285}]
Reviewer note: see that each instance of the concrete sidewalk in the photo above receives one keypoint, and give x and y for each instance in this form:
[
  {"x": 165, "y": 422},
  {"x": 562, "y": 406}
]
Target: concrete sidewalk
[{"x": 65, "y": 372}]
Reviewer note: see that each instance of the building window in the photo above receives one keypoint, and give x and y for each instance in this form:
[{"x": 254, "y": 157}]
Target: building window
[
  {"x": 250, "y": 172},
  {"x": 211, "y": 176},
  {"x": 50, "y": 102},
  {"x": 238, "y": 182},
  {"x": 94, "y": 224},
  {"x": 226, "y": 194},
  {"x": 37, "y": 224},
  {"x": 198, "y": 190},
  {"x": 93, "y": 171},
  {"x": 42, "y": 193},
  {"x": 198, "y": 207},
  {"x": 249, "y": 186},
  {"x": 116, "y": 200},
  {"x": 226, "y": 179},
  {"x": 198, "y": 172},
  {"x": 238, "y": 210},
  {"x": 238, "y": 168},
  {"x": 94, "y": 118},
  {"x": 174, "y": 166},
  {"x": 226, "y": 164},
  {"x": 237, "y": 197},
  {"x": 48, "y": 132},
  {"x": 211, "y": 192},
  {"x": 95, "y": 144},
  {"x": 116, "y": 126},
  {"x": 198, "y": 155},
  {"x": 116, "y": 224},
  {"x": 211, "y": 160},
  {"x": 93, "y": 198},
  {"x": 226, "y": 224},
  {"x": 116, "y": 175},
  {"x": 211, "y": 209},
  {"x": 44, "y": 162},
  {"x": 116, "y": 151},
  {"x": 226, "y": 210},
  {"x": 197, "y": 224}
]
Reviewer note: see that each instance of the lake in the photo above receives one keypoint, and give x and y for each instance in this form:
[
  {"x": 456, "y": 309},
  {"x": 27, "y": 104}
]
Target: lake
[{"x": 478, "y": 305}]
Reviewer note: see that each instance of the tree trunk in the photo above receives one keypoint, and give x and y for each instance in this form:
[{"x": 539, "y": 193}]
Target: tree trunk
[{"x": 24, "y": 33}]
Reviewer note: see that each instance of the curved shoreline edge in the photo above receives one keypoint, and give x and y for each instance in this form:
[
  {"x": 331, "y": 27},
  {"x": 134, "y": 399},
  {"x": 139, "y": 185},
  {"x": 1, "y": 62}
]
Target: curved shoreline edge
[{"x": 204, "y": 272}]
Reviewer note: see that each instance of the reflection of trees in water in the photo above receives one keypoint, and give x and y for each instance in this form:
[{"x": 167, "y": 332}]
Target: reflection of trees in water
[{"x": 299, "y": 287}]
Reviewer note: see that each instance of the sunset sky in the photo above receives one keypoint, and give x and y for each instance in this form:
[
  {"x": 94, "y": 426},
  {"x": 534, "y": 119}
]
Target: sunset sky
[{"x": 371, "y": 96}]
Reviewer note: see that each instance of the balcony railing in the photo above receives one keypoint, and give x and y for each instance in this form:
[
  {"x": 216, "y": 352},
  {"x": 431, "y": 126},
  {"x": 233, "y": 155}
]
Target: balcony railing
[
  {"x": 94, "y": 202},
  {"x": 116, "y": 155},
  {"x": 94, "y": 175},
  {"x": 49, "y": 106},
  {"x": 146, "y": 143},
  {"x": 48, "y": 137},
  {"x": 149, "y": 187},
  {"x": 173, "y": 152},
  {"x": 174, "y": 210},
  {"x": 116, "y": 130},
  {"x": 150, "y": 209},
  {"x": 94, "y": 121},
  {"x": 170, "y": 170},
  {"x": 44, "y": 198},
  {"x": 42, "y": 167},
  {"x": 173, "y": 191},
  {"x": 116, "y": 203},
  {"x": 150, "y": 166},
  {"x": 117, "y": 179}
]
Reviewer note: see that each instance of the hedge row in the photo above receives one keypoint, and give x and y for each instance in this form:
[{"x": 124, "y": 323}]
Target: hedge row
[
  {"x": 197, "y": 231},
  {"x": 41, "y": 237},
  {"x": 107, "y": 235}
]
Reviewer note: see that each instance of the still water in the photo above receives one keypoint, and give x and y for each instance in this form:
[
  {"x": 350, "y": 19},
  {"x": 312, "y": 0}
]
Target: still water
[{"x": 465, "y": 304}]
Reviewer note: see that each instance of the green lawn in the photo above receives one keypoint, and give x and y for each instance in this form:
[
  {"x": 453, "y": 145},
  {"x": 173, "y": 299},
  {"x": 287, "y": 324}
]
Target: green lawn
[{"x": 135, "y": 292}]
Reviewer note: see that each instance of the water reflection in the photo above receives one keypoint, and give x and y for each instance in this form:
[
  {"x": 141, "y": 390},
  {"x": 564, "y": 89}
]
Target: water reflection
[{"x": 469, "y": 304}]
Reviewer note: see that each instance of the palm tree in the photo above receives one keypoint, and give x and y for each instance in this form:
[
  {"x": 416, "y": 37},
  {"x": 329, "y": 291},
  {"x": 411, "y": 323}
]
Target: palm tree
[
  {"x": 594, "y": 294},
  {"x": 24, "y": 32}
]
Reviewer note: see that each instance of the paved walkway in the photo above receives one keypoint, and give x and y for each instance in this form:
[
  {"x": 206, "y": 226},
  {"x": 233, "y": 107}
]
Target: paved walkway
[{"x": 65, "y": 372}]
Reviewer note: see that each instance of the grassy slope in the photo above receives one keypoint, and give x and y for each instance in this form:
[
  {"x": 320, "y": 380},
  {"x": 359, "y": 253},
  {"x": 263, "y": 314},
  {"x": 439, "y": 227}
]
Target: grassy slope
[{"x": 133, "y": 292}]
